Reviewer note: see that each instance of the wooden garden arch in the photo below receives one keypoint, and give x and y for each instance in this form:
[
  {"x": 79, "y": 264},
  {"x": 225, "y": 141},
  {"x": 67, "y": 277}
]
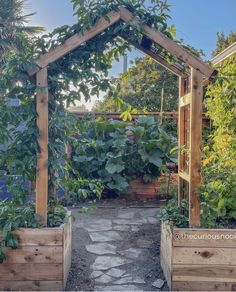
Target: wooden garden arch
[{"x": 190, "y": 107}]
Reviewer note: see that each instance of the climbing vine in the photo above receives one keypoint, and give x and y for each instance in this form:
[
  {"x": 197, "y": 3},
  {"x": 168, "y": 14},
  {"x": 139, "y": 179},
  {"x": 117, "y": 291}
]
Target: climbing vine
[{"x": 81, "y": 73}]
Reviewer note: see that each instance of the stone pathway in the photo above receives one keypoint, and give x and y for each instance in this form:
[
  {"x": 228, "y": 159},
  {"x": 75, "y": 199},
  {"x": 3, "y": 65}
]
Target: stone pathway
[{"x": 116, "y": 249}]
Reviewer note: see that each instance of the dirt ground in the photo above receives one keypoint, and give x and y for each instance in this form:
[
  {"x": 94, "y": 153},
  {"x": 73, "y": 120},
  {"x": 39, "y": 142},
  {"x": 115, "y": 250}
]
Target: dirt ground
[{"x": 140, "y": 236}]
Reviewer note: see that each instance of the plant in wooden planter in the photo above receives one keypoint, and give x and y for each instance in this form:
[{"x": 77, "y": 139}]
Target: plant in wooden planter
[
  {"x": 33, "y": 257},
  {"x": 196, "y": 259},
  {"x": 202, "y": 258}
]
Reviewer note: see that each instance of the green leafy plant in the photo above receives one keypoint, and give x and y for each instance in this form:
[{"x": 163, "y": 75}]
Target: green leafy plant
[
  {"x": 56, "y": 215},
  {"x": 117, "y": 152},
  {"x": 219, "y": 152},
  {"x": 175, "y": 215},
  {"x": 13, "y": 216},
  {"x": 81, "y": 189}
]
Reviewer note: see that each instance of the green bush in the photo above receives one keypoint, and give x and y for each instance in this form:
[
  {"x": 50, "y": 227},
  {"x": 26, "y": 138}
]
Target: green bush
[
  {"x": 117, "y": 152},
  {"x": 15, "y": 214},
  {"x": 219, "y": 164},
  {"x": 81, "y": 189},
  {"x": 175, "y": 215}
]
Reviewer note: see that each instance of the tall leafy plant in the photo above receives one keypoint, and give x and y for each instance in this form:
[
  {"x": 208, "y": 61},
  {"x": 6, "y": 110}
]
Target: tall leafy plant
[
  {"x": 219, "y": 164},
  {"x": 117, "y": 152}
]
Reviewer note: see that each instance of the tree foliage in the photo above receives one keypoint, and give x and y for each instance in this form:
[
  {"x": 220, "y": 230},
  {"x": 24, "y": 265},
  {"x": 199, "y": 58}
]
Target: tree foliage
[
  {"x": 223, "y": 42},
  {"x": 13, "y": 24},
  {"x": 141, "y": 87}
]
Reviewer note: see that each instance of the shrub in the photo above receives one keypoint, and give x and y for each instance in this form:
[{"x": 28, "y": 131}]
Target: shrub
[
  {"x": 81, "y": 189},
  {"x": 175, "y": 215},
  {"x": 219, "y": 164},
  {"x": 117, "y": 152}
]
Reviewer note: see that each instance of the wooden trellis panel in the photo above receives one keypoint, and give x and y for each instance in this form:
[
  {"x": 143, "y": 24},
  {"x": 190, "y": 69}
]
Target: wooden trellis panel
[{"x": 190, "y": 132}]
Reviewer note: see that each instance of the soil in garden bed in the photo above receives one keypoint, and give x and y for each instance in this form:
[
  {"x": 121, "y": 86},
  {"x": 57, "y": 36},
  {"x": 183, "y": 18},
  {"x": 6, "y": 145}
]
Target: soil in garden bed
[{"x": 116, "y": 246}]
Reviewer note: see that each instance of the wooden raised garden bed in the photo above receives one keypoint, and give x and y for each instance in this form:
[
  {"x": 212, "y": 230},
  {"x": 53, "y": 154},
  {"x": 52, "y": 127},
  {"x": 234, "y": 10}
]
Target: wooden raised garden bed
[
  {"x": 42, "y": 260},
  {"x": 199, "y": 259},
  {"x": 139, "y": 189}
]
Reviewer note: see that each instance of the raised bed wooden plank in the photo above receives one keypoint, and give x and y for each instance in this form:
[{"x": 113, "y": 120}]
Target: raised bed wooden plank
[
  {"x": 67, "y": 250},
  {"x": 166, "y": 253},
  {"x": 29, "y": 272},
  {"x": 35, "y": 254},
  {"x": 207, "y": 256},
  {"x": 212, "y": 273},
  {"x": 40, "y": 237},
  {"x": 204, "y": 237},
  {"x": 32, "y": 285},
  {"x": 203, "y": 286}
]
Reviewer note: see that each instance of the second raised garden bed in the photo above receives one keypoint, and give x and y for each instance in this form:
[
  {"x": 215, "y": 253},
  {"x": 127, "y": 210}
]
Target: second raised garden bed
[
  {"x": 199, "y": 259},
  {"x": 141, "y": 190}
]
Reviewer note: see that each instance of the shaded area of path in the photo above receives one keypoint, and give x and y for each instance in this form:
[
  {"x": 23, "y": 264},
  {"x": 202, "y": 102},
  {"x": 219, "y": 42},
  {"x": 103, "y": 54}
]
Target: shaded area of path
[{"x": 116, "y": 249}]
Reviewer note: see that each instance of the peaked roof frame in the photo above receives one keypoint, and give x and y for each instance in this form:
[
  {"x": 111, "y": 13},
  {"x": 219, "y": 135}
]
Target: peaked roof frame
[
  {"x": 125, "y": 15},
  {"x": 190, "y": 104}
]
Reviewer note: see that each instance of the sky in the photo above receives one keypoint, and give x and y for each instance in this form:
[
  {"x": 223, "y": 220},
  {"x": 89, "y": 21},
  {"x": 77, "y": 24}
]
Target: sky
[{"x": 196, "y": 21}]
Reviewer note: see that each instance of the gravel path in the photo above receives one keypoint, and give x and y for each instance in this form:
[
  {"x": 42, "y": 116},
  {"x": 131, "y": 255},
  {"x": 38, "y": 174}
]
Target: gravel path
[{"x": 116, "y": 249}]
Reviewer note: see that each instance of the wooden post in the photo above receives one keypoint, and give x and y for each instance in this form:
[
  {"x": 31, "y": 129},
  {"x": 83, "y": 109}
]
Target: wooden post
[
  {"x": 42, "y": 157},
  {"x": 162, "y": 101},
  {"x": 180, "y": 140},
  {"x": 195, "y": 147}
]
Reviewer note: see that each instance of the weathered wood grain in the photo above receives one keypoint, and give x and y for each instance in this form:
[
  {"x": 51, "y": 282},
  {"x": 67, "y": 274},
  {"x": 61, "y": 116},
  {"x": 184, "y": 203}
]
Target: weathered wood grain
[
  {"x": 42, "y": 156},
  {"x": 31, "y": 285},
  {"x": 166, "y": 253},
  {"x": 210, "y": 273},
  {"x": 168, "y": 44},
  {"x": 40, "y": 237},
  {"x": 203, "y": 255},
  {"x": 29, "y": 272},
  {"x": 203, "y": 286},
  {"x": 35, "y": 254},
  {"x": 195, "y": 147},
  {"x": 41, "y": 262},
  {"x": 204, "y": 237},
  {"x": 198, "y": 264}
]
